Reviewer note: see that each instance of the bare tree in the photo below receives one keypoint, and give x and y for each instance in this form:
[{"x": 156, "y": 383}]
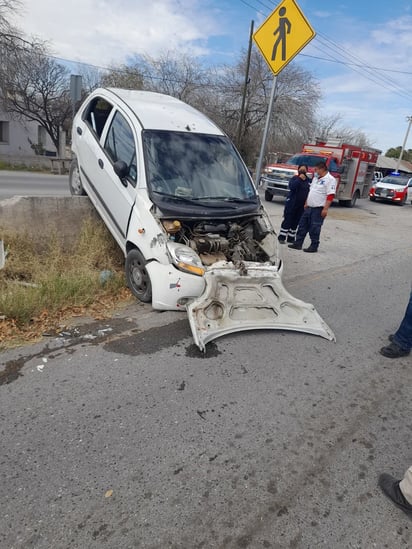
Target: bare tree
[
  {"x": 174, "y": 74},
  {"x": 296, "y": 104},
  {"x": 128, "y": 77},
  {"x": 7, "y": 31},
  {"x": 296, "y": 101},
  {"x": 331, "y": 127},
  {"x": 91, "y": 78},
  {"x": 34, "y": 87}
]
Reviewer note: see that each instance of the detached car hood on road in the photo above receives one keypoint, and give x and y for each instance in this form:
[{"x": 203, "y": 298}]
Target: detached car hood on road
[{"x": 249, "y": 296}]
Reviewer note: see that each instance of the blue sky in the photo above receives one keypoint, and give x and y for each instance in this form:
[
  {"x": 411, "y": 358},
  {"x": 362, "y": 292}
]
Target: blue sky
[{"x": 375, "y": 99}]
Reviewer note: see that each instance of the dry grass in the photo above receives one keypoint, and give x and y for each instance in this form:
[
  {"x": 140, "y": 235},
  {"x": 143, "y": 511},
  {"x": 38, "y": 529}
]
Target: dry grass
[
  {"x": 22, "y": 167},
  {"x": 45, "y": 282}
]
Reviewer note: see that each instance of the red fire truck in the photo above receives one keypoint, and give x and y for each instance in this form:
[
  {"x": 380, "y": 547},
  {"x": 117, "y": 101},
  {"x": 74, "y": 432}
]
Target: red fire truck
[{"x": 352, "y": 166}]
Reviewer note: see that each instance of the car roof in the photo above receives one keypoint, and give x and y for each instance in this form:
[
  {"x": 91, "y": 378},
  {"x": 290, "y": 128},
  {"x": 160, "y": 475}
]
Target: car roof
[{"x": 157, "y": 111}]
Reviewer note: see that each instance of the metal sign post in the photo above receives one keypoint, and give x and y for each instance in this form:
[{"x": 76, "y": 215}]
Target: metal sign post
[{"x": 266, "y": 131}]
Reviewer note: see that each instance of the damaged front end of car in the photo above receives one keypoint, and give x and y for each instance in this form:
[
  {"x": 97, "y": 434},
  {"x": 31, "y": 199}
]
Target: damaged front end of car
[{"x": 239, "y": 262}]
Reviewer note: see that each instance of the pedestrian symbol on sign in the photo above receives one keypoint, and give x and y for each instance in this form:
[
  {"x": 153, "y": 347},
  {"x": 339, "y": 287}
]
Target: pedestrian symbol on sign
[
  {"x": 284, "y": 24},
  {"x": 283, "y": 34}
]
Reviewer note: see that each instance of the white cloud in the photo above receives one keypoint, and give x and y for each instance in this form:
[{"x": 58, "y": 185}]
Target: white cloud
[
  {"x": 322, "y": 14},
  {"x": 102, "y": 31}
]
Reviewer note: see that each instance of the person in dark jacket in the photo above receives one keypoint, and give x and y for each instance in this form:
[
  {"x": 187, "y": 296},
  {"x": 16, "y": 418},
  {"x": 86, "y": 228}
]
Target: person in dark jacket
[{"x": 294, "y": 206}]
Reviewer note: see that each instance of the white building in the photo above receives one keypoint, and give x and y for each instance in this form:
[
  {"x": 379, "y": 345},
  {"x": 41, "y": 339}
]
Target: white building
[{"x": 23, "y": 139}]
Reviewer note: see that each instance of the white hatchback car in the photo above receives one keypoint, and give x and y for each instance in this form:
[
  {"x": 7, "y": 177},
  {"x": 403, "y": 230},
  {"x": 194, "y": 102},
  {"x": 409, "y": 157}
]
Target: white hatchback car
[{"x": 180, "y": 202}]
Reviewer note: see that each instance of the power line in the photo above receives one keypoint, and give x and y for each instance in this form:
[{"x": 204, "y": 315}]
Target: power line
[
  {"x": 367, "y": 71},
  {"x": 354, "y": 64}
]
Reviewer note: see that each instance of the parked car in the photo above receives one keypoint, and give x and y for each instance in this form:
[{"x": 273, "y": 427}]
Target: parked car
[
  {"x": 392, "y": 188},
  {"x": 180, "y": 202}
]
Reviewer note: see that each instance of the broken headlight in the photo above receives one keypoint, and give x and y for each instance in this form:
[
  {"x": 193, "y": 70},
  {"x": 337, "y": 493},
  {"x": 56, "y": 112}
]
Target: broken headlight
[{"x": 185, "y": 258}]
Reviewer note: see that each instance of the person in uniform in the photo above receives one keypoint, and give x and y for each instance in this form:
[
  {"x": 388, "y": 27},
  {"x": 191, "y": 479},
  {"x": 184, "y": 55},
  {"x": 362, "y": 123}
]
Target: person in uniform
[
  {"x": 294, "y": 205},
  {"x": 321, "y": 194}
]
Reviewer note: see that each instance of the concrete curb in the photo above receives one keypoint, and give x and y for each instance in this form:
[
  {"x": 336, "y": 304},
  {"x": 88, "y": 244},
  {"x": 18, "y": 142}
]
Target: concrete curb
[{"x": 39, "y": 216}]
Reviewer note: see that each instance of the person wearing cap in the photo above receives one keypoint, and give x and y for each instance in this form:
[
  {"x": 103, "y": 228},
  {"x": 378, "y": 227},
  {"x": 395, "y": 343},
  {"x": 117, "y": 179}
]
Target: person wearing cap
[
  {"x": 294, "y": 205},
  {"x": 321, "y": 194}
]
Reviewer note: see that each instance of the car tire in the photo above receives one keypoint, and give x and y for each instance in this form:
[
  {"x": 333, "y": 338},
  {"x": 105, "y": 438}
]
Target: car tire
[
  {"x": 137, "y": 277},
  {"x": 403, "y": 201},
  {"x": 372, "y": 199},
  {"x": 75, "y": 183},
  {"x": 268, "y": 196}
]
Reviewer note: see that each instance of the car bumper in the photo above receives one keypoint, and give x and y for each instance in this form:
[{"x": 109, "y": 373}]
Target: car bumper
[{"x": 275, "y": 187}]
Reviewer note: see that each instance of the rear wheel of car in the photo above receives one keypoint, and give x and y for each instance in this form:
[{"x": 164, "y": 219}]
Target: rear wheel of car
[
  {"x": 268, "y": 196},
  {"x": 75, "y": 183},
  {"x": 137, "y": 277}
]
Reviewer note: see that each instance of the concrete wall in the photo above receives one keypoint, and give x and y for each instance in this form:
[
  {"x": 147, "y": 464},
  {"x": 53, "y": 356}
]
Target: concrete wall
[{"x": 40, "y": 216}]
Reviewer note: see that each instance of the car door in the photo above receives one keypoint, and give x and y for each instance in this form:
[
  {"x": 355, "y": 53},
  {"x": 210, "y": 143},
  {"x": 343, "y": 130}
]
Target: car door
[
  {"x": 409, "y": 198},
  {"x": 117, "y": 195},
  {"x": 87, "y": 134}
]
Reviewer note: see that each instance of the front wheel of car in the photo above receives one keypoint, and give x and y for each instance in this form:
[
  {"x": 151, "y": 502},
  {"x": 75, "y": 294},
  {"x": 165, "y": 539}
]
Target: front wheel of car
[
  {"x": 137, "y": 277},
  {"x": 268, "y": 196},
  {"x": 403, "y": 201},
  {"x": 75, "y": 183}
]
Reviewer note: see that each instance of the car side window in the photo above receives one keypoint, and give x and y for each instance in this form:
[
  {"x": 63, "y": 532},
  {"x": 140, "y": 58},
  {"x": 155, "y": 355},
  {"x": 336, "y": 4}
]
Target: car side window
[
  {"x": 97, "y": 114},
  {"x": 120, "y": 145}
]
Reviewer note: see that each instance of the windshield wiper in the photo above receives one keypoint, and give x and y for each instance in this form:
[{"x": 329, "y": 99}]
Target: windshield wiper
[
  {"x": 227, "y": 198},
  {"x": 176, "y": 197},
  {"x": 198, "y": 200}
]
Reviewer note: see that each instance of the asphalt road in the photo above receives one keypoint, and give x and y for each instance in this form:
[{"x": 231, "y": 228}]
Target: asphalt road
[
  {"x": 32, "y": 184},
  {"x": 121, "y": 435}
]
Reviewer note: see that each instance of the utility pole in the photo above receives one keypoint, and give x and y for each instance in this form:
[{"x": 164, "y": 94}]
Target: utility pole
[
  {"x": 409, "y": 119},
  {"x": 242, "y": 108}
]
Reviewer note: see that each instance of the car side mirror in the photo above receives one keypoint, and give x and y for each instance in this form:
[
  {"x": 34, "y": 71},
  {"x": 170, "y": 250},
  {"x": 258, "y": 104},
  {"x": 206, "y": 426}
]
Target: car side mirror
[{"x": 121, "y": 169}]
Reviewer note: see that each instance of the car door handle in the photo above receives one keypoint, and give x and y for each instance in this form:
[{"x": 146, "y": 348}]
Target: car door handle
[
  {"x": 79, "y": 130},
  {"x": 101, "y": 163}
]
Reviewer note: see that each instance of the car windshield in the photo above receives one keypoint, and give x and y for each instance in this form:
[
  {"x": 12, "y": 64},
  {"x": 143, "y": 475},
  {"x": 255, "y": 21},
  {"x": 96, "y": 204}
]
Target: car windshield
[
  {"x": 306, "y": 159},
  {"x": 395, "y": 180},
  {"x": 195, "y": 167}
]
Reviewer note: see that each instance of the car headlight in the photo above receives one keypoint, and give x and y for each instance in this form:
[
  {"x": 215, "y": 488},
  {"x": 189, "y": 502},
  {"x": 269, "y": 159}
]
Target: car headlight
[{"x": 185, "y": 258}]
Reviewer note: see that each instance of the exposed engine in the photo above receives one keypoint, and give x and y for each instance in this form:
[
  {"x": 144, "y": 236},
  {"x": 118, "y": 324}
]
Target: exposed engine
[{"x": 244, "y": 240}]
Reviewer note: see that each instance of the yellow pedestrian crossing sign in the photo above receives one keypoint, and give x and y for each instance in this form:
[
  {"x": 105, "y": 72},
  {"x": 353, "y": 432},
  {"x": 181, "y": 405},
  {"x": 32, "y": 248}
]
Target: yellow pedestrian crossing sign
[{"x": 283, "y": 35}]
